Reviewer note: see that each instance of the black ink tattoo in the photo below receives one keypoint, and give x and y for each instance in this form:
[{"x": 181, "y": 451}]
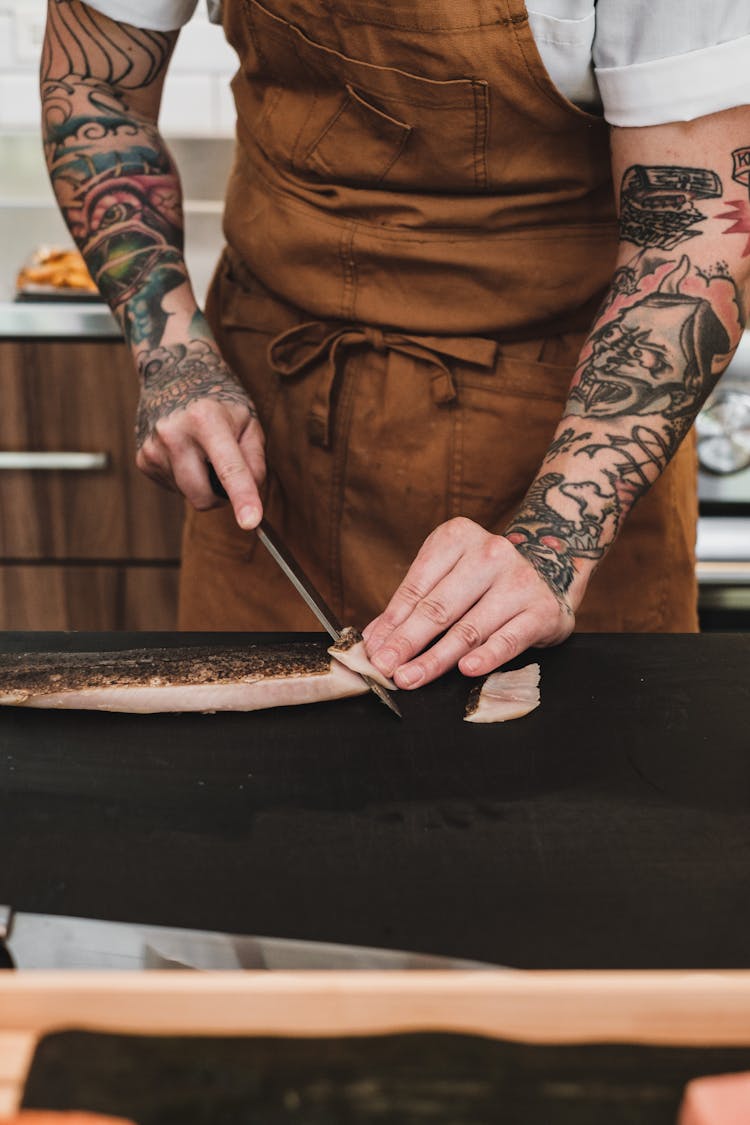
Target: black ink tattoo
[
  {"x": 175, "y": 377},
  {"x": 565, "y": 441},
  {"x": 741, "y": 166},
  {"x": 716, "y": 269},
  {"x": 654, "y": 357},
  {"x": 642, "y": 449},
  {"x": 660, "y": 339},
  {"x": 657, "y": 205},
  {"x": 740, "y": 208},
  {"x": 551, "y": 540},
  {"x": 75, "y": 35}
]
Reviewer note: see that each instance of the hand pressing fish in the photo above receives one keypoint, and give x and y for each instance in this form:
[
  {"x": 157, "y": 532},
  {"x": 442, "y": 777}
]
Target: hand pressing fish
[{"x": 207, "y": 678}]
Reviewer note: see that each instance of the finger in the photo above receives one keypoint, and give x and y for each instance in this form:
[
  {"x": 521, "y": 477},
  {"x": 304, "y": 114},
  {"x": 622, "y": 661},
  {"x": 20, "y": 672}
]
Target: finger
[
  {"x": 444, "y": 605},
  {"x": 504, "y": 644},
  {"x": 253, "y": 445},
  {"x": 155, "y": 465},
  {"x": 368, "y": 629},
  {"x": 188, "y": 465},
  {"x": 437, "y": 556},
  {"x": 467, "y": 635},
  {"x": 236, "y": 475}
]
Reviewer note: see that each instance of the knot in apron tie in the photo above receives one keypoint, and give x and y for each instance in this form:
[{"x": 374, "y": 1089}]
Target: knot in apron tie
[{"x": 301, "y": 349}]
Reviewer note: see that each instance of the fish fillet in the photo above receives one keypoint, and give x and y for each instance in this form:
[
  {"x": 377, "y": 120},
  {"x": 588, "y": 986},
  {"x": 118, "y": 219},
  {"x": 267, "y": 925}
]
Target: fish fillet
[
  {"x": 206, "y": 678},
  {"x": 504, "y": 695},
  {"x": 350, "y": 651}
]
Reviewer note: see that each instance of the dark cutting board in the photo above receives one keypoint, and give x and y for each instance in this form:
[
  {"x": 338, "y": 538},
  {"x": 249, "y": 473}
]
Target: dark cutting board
[
  {"x": 608, "y": 829},
  {"x": 423, "y": 1079}
]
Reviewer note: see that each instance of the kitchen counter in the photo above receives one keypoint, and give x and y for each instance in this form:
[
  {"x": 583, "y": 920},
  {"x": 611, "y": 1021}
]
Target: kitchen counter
[{"x": 608, "y": 829}]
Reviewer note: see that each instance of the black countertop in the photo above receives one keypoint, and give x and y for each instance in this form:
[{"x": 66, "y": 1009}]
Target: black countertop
[{"x": 608, "y": 829}]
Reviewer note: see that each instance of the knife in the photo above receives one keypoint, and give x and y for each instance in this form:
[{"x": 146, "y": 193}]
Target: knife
[
  {"x": 50, "y": 941},
  {"x": 304, "y": 587}
]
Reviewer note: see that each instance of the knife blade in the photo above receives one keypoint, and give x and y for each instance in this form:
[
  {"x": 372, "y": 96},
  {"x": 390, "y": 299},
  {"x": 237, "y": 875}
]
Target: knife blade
[
  {"x": 283, "y": 557},
  {"x": 48, "y": 941}
]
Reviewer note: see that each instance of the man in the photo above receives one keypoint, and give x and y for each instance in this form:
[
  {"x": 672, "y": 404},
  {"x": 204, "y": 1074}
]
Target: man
[{"x": 421, "y": 228}]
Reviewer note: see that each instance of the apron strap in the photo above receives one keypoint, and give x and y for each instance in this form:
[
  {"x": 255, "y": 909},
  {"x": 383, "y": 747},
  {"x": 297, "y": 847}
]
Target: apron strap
[{"x": 300, "y": 349}]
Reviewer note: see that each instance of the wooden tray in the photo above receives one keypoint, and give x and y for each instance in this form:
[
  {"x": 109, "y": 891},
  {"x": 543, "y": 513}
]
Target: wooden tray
[{"x": 648, "y": 1008}]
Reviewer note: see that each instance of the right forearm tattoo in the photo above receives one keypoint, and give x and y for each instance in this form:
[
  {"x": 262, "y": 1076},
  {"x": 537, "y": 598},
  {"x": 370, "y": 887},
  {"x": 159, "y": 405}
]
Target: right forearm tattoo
[{"x": 660, "y": 341}]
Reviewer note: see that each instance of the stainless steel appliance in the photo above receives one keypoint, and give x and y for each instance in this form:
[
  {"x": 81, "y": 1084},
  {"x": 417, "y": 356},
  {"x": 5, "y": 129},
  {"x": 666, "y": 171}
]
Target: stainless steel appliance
[{"x": 723, "y": 546}]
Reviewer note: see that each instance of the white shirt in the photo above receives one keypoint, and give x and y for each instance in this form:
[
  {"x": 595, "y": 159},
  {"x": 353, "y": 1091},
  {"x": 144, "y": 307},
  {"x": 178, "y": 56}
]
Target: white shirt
[{"x": 639, "y": 62}]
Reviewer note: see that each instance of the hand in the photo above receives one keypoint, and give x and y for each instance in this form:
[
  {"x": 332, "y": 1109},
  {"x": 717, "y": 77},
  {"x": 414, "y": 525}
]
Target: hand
[
  {"x": 477, "y": 586},
  {"x": 192, "y": 410}
]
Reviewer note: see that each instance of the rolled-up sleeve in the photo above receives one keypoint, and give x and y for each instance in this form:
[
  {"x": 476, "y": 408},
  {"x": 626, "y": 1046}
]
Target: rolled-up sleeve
[
  {"x": 658, "y": 61},
  {"x": 155, "y": 15}
]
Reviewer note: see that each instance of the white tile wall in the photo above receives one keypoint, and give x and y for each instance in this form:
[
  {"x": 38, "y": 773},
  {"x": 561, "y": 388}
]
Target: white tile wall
[{"x": 196, "y": 101}]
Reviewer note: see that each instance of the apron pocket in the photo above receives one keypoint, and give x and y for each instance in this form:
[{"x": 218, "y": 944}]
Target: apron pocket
[
  {"x": 322, "y": 112},
  {"x": 371, "y": 139}
]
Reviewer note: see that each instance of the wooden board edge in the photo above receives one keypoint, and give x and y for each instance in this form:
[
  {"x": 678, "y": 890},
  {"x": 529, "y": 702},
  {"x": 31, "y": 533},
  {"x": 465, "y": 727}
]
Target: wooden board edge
[{"x": 656, "y": 1008}]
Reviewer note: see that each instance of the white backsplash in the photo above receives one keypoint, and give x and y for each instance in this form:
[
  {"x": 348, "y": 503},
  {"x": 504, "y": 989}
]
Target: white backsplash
[{"x": 197, "y": 100}]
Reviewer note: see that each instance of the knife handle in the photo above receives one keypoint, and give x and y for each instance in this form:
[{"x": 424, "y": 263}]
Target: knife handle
[{"x": 216, "y": 485}]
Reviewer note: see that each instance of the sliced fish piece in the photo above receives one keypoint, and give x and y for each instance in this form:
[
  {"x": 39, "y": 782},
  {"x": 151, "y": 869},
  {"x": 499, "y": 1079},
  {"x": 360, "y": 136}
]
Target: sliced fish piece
[
  {"x": 349, "y": 650},
  {"x": 205, "y": 678},
  {"x": 504, "y": 695}
]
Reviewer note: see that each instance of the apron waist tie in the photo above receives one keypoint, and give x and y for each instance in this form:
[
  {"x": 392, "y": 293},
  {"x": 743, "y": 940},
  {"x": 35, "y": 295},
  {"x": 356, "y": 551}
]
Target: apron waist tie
[{"x": 300, "y": 349}]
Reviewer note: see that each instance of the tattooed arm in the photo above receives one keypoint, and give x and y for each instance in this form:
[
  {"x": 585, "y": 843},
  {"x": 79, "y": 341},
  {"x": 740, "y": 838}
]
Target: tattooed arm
[
  {"x": 120, "y": 194},
  {"x": 665, "y": 332}
]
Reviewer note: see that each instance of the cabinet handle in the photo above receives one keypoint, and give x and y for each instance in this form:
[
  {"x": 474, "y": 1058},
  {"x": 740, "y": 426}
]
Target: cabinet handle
[
  {"x": 723, "y": 573},
  {"x": 70, "y": 462}
]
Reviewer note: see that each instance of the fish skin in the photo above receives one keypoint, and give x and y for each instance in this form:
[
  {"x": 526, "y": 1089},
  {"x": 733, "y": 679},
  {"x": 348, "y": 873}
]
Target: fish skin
[
  {"x": 504, "y": 695},
  {"x": 349, "y": 650},
  {"x": 224, "y": 675}
]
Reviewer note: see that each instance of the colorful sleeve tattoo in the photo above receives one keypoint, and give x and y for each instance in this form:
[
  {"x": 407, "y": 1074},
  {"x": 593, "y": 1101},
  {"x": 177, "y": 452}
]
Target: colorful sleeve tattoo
[{"x": 120, "y": 195}]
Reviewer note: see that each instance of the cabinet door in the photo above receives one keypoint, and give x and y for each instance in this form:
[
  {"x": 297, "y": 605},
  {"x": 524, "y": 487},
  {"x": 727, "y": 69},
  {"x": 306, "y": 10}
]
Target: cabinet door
[
  {"x": 71, "y": 396},
  {"x": 89, "y": 598}
]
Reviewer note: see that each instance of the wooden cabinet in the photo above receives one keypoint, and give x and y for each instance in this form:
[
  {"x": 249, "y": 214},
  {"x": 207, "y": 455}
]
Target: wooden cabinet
[{"x": 86, "y": 542}]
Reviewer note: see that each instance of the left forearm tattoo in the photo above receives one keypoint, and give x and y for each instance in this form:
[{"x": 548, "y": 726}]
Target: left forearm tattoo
[{"x": 660, "y": 341}]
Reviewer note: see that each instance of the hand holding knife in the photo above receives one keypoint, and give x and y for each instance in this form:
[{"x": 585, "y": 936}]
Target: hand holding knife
[{"x": 304, "y": 587}]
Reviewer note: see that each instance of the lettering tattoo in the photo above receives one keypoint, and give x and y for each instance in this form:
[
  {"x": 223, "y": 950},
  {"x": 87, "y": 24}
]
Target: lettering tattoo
[
  {"x": 120, "y": 195},
  {"x": 740, "y": 213},
  {"x": 660, "y": 340}
]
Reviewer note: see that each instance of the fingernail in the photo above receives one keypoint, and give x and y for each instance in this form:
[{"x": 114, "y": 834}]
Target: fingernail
[
  {"x": 410, "y": 677},
  {"x": 471, "y": 664},
  {"x": 385, "y": 660},
  {"x": 248, "y": 518}
]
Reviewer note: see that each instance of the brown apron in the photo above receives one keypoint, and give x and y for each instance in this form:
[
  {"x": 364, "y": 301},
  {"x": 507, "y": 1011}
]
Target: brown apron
[{"x": 420, "y": 228}]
